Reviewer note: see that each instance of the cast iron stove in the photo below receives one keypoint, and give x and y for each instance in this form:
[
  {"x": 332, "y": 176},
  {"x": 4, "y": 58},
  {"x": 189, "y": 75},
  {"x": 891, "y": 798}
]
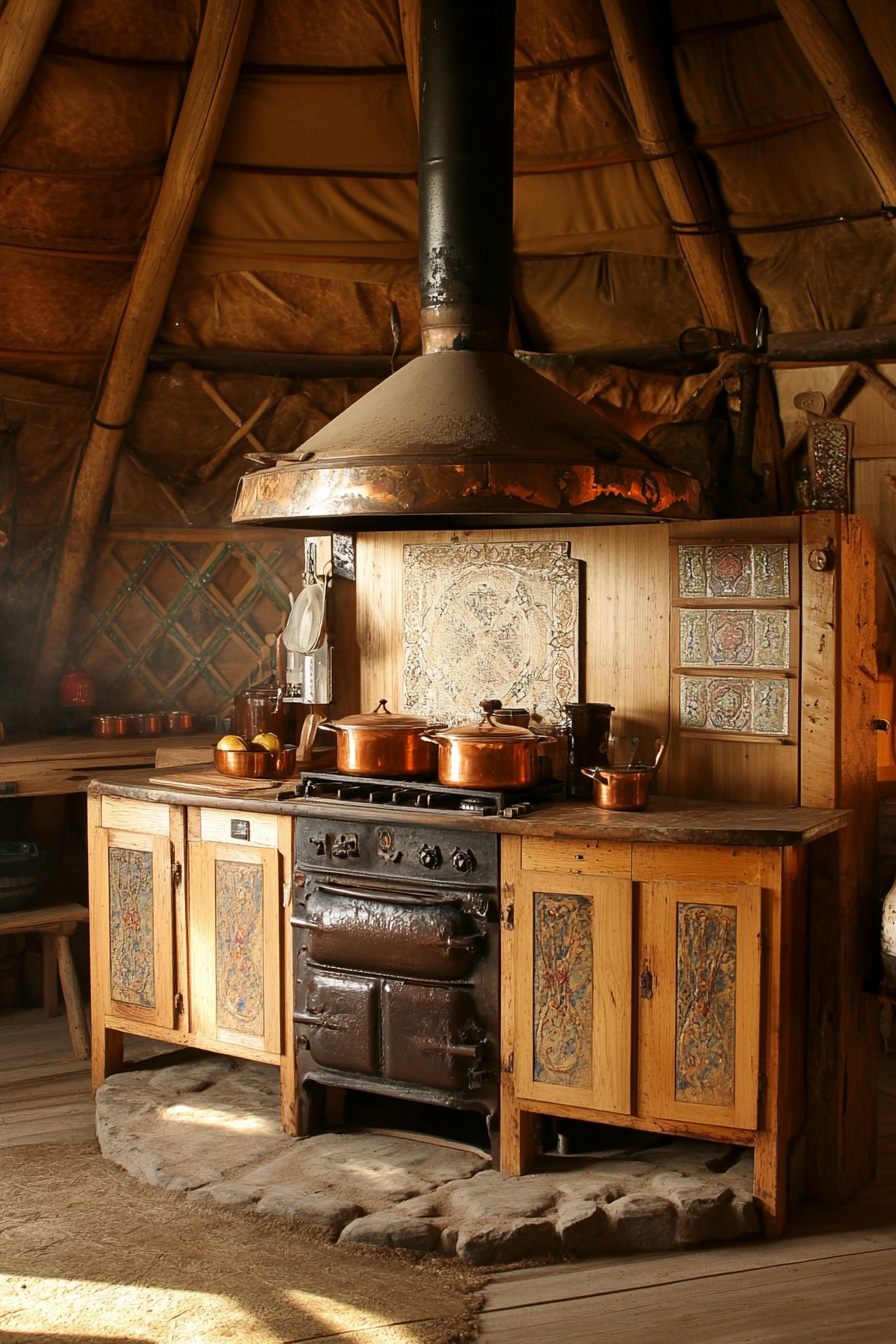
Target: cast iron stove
[{"x": 428, "y": 795}]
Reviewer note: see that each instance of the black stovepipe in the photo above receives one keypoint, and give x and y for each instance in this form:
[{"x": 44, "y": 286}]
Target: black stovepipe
[{"x": 466, "y": 173}]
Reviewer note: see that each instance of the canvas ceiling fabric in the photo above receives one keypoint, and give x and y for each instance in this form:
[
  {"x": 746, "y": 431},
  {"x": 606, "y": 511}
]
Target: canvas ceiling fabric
[{"x": 307, "y": 230}]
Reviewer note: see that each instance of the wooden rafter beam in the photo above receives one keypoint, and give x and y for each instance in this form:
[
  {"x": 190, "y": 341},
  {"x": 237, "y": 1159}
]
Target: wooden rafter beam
[
  {"x": 705, "y": 245},
  {"x": 216, "y": 65},
  {"x": 24, "y": 28},
  {"x": 830, "y": 40}
]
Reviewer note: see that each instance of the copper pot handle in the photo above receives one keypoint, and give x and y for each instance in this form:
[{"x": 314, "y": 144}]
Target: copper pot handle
[
  {"x": 433, "y": 741},
  {"x": 328, "y": 725},
  {"x": 545, "y": 742},
  {"x": 593, "y": 772}
]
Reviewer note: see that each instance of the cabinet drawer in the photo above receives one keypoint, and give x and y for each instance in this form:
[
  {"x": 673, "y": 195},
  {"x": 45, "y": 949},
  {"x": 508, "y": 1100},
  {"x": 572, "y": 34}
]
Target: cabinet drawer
[
  {"x": 123, "y": 814},
  {"x": 606, "y": 858},
  {"x": 698, "y": 863},
  {"x": 235, "y": 828}
]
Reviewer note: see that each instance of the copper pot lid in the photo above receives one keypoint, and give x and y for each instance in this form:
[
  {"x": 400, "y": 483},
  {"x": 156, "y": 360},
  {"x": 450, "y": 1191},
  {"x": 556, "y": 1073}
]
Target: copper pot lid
[
  {"x": 381, "y": 718},
  {"x": 487, "y": 728}
]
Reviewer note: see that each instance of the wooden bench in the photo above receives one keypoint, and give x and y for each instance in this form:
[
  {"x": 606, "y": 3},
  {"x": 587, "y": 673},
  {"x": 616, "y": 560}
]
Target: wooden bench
[{"x": 56, "y": 924}]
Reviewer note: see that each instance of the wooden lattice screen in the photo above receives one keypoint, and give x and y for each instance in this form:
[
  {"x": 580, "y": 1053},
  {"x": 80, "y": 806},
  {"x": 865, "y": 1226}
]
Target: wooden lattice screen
[{"x": 178, "y": 620}]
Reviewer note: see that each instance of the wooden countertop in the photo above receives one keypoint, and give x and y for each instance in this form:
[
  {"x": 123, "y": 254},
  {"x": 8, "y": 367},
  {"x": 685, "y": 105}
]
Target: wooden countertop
[
  {"x": 683, "y": 821},
  {"x": 47, "y": 765}
]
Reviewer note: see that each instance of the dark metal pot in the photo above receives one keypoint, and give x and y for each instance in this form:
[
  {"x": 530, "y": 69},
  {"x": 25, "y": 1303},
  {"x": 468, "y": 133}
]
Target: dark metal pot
[
  {"x": 488, "y": 755},
  {"x": 382, "y": 744}
]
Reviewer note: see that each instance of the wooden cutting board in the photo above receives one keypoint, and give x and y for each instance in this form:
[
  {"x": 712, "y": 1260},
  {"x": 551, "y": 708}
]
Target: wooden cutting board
[{"x": 206, "y": 779}]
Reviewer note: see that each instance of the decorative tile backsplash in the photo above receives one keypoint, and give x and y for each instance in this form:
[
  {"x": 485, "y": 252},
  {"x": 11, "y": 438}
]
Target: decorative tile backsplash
[
  {"x": 735, "y": 705},
  {"x": 742, "y": 570},
  {"x": 710, "y": 637}
]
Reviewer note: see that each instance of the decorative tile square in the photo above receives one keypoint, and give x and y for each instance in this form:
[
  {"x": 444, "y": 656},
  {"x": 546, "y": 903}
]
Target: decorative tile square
[
  {"x": 830, "y": 444},
  {"x": 693, "y": 647},
  {"x": 691, "y": 571},
  {"x": 723, "y": 638},
  {"x": 498, "y": 619},
  {"x": 771, "y": 571},
  {"x": 772, "y": 638},
  {"x": 753, "y": 705},
  {"x": 729, "y": 572},
  {"x": 730, "y": 638}
]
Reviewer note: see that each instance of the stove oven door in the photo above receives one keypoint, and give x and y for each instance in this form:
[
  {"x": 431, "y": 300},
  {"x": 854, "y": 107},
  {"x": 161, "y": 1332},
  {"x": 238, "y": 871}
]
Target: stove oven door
[
  {"x": 430, "y": 1035},
  {"x": 339, "y": 1020}
]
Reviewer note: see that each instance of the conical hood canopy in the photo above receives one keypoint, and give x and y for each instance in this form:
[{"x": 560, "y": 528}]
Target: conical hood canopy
[{"x": 465, "y": 434}]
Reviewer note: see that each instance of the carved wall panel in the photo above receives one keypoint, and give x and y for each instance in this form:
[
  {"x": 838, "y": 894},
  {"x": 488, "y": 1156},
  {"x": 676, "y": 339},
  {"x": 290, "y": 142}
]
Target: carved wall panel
[
  {"x": 239, "y": 947},
  {"x": 562, "y": 1008},
  {"x": 131, "y": 927},
  {"x": 706, "y": 980}
]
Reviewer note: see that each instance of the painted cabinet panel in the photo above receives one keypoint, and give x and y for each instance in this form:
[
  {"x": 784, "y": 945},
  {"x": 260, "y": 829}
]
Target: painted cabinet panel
[
  {"x": 134, "y": 921},
  {"x": 572, "y": 1001},
  {"x": 235, "y": 926},
  {"x": 699, "y": 1002}
]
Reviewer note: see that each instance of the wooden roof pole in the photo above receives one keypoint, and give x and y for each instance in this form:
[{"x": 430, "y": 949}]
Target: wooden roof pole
[
  {"x": 706, "y": 248},
  {"x": 216, "y": 65},
  {"x": 830, "y": 40},
  {"x": 24, "y": 28}
]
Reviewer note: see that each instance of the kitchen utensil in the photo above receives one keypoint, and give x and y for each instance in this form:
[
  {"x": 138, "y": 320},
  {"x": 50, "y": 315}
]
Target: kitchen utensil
[
  {"x": 587, "y": 726},
  {"x": 145, "y": 725},
  {"x": 258, "y": 709},
  {"x": 110, "y": 725},
  {"x": 256, "y": 764},
  {"x": 382, "y": 744},
  {"x": 307, "y": 662},
  {"x": 22, "y": 868},
  {"x": 488, "y": 754},
  {"x": 309, "y": 733},
  {"x": 624, "y": 788},
  {"x": 179, "y": 721}
]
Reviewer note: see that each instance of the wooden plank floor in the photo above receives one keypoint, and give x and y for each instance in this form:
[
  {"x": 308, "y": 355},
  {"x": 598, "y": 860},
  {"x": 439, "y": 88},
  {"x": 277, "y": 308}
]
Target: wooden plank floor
[
  {"x": 830, "y": 1280},
  {"x": 45, "y": 1092}
]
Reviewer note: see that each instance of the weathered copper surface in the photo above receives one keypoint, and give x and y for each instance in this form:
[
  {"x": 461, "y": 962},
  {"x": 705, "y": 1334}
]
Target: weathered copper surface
[
  {"x": 706, "y": 981},
  {"x": 563, "y": 989},
  {"x": 239, "y": 947},
  {"x": 132, "y": 959},
  {"x": 466, "y": 433}
]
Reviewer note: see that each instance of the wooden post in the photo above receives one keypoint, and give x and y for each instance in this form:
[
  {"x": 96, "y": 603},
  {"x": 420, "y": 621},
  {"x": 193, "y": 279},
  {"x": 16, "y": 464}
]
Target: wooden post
[
  {"x": 704, "y": 243},
  {"x": 829, "y": 38},
  {"x": 24, "y": 27},
  {"x": 216, "y": 65}
]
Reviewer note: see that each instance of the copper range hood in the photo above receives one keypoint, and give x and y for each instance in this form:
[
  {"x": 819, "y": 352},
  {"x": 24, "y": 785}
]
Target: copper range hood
[{"x": 466, "y": 435}]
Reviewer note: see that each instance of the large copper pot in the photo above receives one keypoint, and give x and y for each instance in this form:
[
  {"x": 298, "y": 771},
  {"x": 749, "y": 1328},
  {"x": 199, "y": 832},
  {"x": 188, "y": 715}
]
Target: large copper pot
[
  {"x": 488, "y": 755},
  {"x": 382, "y": 744}
]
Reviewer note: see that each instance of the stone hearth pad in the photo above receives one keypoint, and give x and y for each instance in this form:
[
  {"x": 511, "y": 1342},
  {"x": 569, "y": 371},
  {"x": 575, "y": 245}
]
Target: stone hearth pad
[{"x": 211, "y": 1128}]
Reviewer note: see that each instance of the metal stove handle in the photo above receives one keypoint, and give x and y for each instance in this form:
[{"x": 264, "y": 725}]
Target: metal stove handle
[
  {"x": 466, "y": 1051},
  {"x": 309, "y": 1020},
  {"x": 375, "y": 894}
]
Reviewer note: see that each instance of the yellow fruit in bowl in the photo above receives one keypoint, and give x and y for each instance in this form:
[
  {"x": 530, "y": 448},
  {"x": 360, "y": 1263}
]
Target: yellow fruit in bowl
[
  {"x": 232, "y": 743},
  {"x": 270, "y": 741}
]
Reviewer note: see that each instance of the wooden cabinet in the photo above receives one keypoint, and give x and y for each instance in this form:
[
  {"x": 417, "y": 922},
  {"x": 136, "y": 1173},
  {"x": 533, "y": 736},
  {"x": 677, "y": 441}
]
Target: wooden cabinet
[
  {"x": 190, "y": 933},
  {"x": 643, "y": 986}
]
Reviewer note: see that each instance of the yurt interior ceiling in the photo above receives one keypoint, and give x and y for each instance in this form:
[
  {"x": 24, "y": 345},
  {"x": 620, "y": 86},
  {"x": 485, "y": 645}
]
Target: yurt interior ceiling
[{"x": 297, "y": 287}]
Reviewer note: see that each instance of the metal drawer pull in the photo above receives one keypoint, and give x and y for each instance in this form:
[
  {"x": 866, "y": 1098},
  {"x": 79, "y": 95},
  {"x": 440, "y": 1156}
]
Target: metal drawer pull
[
  {"x": 309, "y": 1020},
  {"x": 373, "y": 894},
  {"x": 304, "y": 924},
  {"x": 466, "y": 1051}
]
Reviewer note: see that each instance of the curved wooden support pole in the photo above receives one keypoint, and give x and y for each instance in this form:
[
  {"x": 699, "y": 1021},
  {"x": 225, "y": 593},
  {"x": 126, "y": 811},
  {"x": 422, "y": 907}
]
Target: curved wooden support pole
[
  {"x": 74, "y": 1004},
  {"x": 24, "y": 28},
  {"x": 216, "y": 65},
  {"x": 830, "y": 40},
  {"x": 704, "y": 244}
]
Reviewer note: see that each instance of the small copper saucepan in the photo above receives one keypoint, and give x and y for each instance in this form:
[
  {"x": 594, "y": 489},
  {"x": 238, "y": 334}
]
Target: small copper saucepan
[{"x": 624, "y": 788}]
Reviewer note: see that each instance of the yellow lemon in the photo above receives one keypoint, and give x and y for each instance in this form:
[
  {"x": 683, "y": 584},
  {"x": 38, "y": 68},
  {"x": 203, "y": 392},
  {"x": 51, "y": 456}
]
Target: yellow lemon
[
  {"x": 232, "y": 743},
  {"x": 270, "y": 741}
]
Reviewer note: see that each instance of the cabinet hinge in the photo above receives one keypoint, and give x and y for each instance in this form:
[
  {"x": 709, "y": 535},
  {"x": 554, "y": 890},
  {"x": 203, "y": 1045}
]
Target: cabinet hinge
[
  {"x": 178, "y": 1003},
  {"x": 646, "y": 983},
  {"x": 507, "y": 1065},
  {"x": 507, "y": 917},
  {"x": 287, "y": 895},
  {"x": 177, "y": 872}
]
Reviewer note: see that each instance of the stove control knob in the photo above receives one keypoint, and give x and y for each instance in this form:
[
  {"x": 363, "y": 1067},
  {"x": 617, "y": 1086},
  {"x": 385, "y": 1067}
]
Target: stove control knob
[
  {"x": 464, "y": 860},
  {"x": 430, "y": 856},
  {"x": 318, "y": 844},
  {"x": 346, "y": 847}
]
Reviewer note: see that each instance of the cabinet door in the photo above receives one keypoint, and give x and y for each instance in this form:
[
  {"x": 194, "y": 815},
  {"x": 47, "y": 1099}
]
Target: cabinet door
[
  {"x": 699, "y": 1002},
  {"x": 234, "y": 902},
  {"x": 132, "y": 917},
  {"x": 572, "y": 1037}
]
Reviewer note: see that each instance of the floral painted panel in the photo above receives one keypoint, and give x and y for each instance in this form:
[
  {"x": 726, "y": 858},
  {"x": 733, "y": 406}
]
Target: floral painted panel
[
  {"x": 239, "y": 947},
  {"x": 734, "y": 570},
  {"x": 501, "y": 617},
  {"x": 721, "y": 638},
  {"x": 706, "y": 982},
  {"x": 735, "y": 705},
  {"x": 132, "y": 960},
  {"x": 562, "y": 1017}
]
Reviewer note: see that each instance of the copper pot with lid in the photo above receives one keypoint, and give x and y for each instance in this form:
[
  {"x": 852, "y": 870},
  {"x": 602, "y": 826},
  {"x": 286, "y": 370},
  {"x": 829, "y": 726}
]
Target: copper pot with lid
[
  {"x": 488, "y": 754},
  {"x": 382, "y": 744}
]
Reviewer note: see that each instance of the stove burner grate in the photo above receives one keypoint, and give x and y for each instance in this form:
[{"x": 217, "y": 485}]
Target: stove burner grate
[{"x": 424, "y": 794}]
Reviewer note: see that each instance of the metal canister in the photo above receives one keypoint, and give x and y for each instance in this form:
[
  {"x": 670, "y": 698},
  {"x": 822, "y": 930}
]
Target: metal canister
[{"x": 587, "y": 726}]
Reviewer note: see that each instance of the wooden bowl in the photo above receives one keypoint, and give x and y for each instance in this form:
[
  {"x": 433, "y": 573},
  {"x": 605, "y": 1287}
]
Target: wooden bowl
[{"x": 255, "y": 763}]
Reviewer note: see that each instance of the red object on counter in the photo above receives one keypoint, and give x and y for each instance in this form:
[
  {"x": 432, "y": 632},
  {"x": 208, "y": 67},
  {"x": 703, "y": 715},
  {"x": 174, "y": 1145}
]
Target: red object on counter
[{"x": 77, "y": 690}]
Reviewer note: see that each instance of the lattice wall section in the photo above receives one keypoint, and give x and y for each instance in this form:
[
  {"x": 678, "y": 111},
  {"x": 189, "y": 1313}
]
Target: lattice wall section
[{"x": 179, "y": 621}]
